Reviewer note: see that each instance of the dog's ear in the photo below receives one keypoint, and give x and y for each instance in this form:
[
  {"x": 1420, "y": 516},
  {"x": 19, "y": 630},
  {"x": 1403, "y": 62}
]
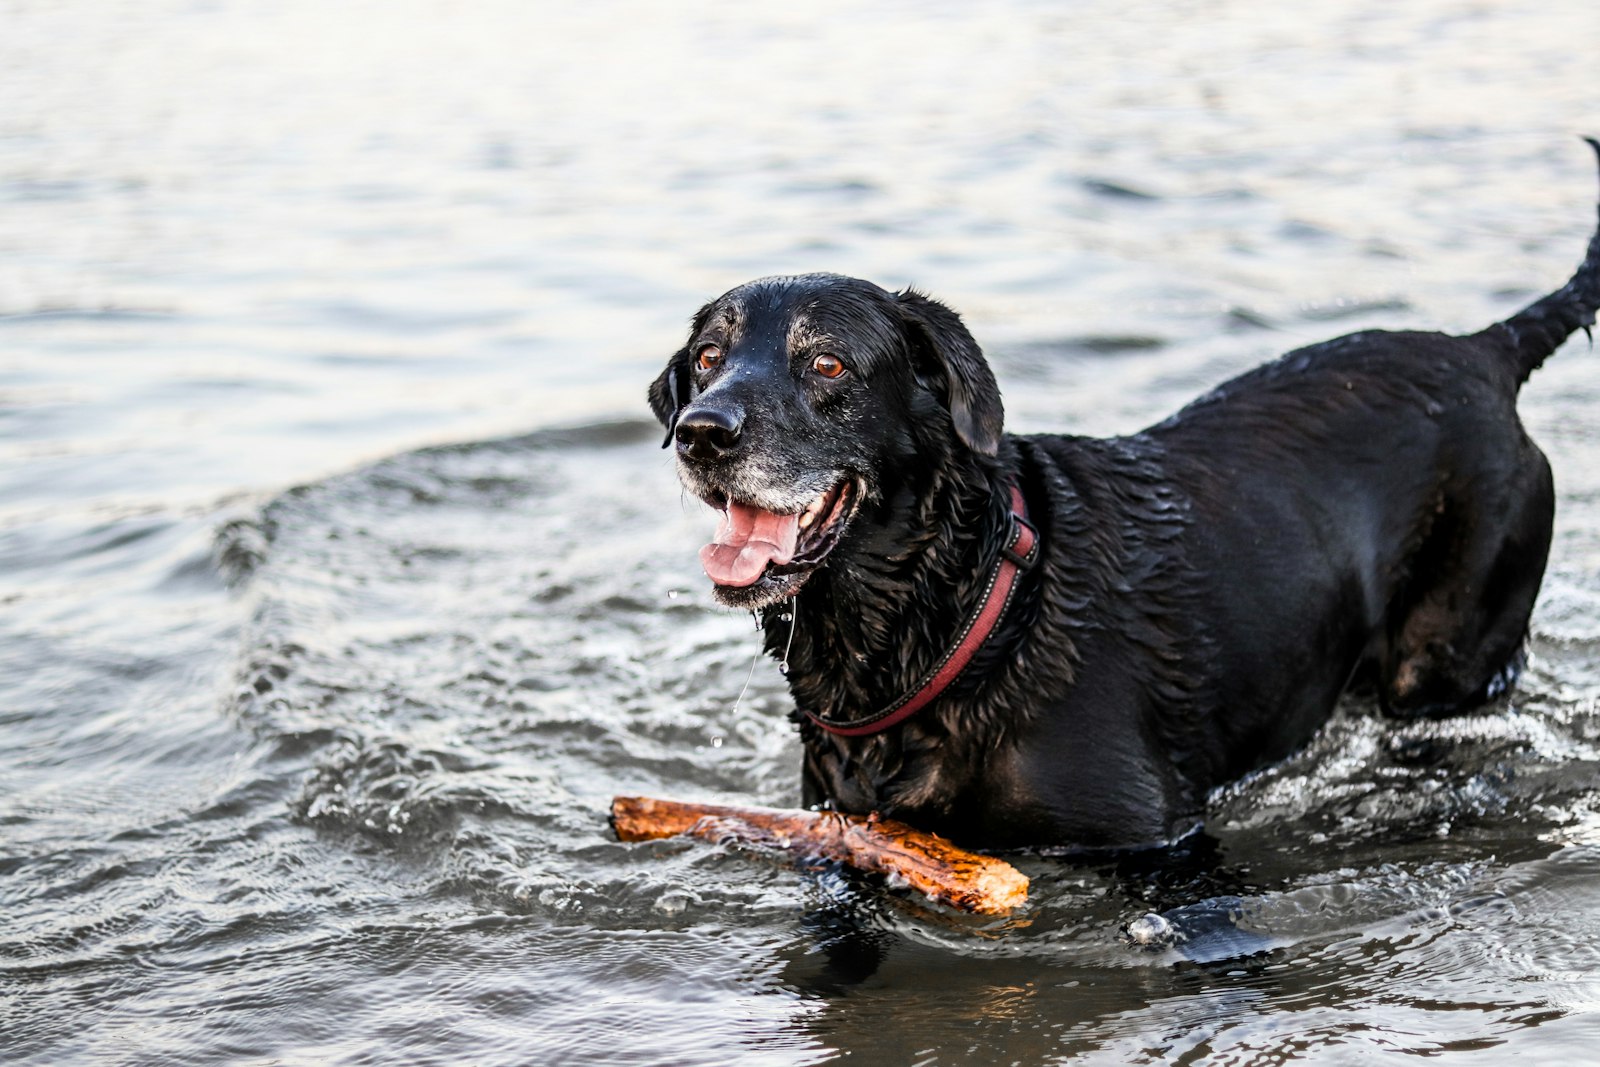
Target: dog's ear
[
  {"x": 969, "y": 386},
  {"x": 670, "y": 391}
]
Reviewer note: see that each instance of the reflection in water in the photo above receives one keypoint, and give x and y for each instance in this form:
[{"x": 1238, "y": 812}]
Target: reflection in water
[{"x": 320, "y": 775}]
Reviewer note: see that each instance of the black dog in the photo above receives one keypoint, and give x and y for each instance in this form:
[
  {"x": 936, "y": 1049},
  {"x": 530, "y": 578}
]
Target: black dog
[{"x": 1067, "y": 641}]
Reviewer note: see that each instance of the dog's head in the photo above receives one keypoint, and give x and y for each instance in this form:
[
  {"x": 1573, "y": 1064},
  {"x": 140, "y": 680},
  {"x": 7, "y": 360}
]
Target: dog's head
[{"x": 800, "y": 403}]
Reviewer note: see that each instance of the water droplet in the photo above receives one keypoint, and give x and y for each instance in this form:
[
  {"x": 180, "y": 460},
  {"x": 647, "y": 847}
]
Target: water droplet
[
  {"x": 1149, "y": 929},
  {"x": 674, "y": 901}
]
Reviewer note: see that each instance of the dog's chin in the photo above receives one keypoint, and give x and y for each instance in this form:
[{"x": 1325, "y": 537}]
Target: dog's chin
[{"x": 775, "y": 586}]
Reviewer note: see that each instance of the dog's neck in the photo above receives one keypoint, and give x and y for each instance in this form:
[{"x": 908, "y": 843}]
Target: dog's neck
[{"x": 866, "y": 628}]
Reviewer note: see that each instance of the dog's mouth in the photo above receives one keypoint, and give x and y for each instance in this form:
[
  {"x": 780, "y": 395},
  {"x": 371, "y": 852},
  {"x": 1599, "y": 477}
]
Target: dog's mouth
[{"x": 752, "y": 542}]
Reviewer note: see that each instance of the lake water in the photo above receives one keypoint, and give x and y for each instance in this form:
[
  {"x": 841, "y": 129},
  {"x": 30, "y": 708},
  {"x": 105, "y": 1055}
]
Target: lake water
[{"x": 342, "y": 582}]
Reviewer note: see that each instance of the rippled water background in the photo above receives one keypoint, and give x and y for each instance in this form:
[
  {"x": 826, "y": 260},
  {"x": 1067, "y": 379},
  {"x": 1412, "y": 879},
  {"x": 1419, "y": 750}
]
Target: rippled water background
[{"x": 318, "y": 774}]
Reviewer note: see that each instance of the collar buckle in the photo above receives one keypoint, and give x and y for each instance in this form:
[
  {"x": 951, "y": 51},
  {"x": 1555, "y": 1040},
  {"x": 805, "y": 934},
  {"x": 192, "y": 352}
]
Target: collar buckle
[{"x": 1026, "y": 539}]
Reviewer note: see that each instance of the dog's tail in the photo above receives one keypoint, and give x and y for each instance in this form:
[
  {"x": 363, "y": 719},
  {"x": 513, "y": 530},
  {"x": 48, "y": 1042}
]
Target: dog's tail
[{"x": 1537, "y": 330}]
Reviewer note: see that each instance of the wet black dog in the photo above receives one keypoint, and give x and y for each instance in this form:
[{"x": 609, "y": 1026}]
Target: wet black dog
[{"x": 1367, "y": 509}]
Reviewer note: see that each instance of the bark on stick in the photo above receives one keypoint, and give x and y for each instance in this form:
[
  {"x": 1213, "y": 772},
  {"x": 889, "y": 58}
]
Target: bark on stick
[{"x": 924, "y": 861}]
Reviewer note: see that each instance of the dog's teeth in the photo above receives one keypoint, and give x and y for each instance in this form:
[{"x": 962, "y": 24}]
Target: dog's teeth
[{"x": 809, "y": 515}]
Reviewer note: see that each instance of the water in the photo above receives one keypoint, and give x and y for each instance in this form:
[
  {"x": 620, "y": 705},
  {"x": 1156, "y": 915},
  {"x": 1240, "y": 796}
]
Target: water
[{"x": 318, "y": 774}]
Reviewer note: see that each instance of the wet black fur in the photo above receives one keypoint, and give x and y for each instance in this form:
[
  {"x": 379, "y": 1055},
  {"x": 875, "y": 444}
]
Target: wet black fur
[{"x": 1367, "y": 510}]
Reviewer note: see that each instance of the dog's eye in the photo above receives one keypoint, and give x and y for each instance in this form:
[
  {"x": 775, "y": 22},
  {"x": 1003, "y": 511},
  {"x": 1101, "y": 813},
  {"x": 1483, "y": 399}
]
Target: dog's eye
[
  {"x": 708, "y": 357},
  {"x": 828, "y": 366}
]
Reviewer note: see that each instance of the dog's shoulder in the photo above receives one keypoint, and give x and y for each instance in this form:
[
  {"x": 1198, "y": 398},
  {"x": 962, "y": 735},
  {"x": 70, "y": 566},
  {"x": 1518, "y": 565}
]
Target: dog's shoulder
[{"x": 1114, "y": 522}]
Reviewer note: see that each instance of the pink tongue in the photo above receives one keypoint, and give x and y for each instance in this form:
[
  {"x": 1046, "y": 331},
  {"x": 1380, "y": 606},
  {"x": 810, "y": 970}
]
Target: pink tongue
[{"x": 747, "y": 540}]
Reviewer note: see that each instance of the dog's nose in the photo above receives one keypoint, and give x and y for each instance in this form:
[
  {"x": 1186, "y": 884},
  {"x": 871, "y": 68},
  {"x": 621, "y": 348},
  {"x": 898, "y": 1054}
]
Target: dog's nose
[{"x": 707, "y": 433}]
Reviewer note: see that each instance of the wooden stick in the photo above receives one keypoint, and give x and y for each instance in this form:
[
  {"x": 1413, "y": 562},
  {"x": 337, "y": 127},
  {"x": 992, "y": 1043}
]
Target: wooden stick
[{"x": 925, "y": 862}]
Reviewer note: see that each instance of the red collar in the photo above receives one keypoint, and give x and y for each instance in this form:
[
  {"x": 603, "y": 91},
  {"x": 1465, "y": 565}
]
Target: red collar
[{"x": 1019, "y": 554}]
